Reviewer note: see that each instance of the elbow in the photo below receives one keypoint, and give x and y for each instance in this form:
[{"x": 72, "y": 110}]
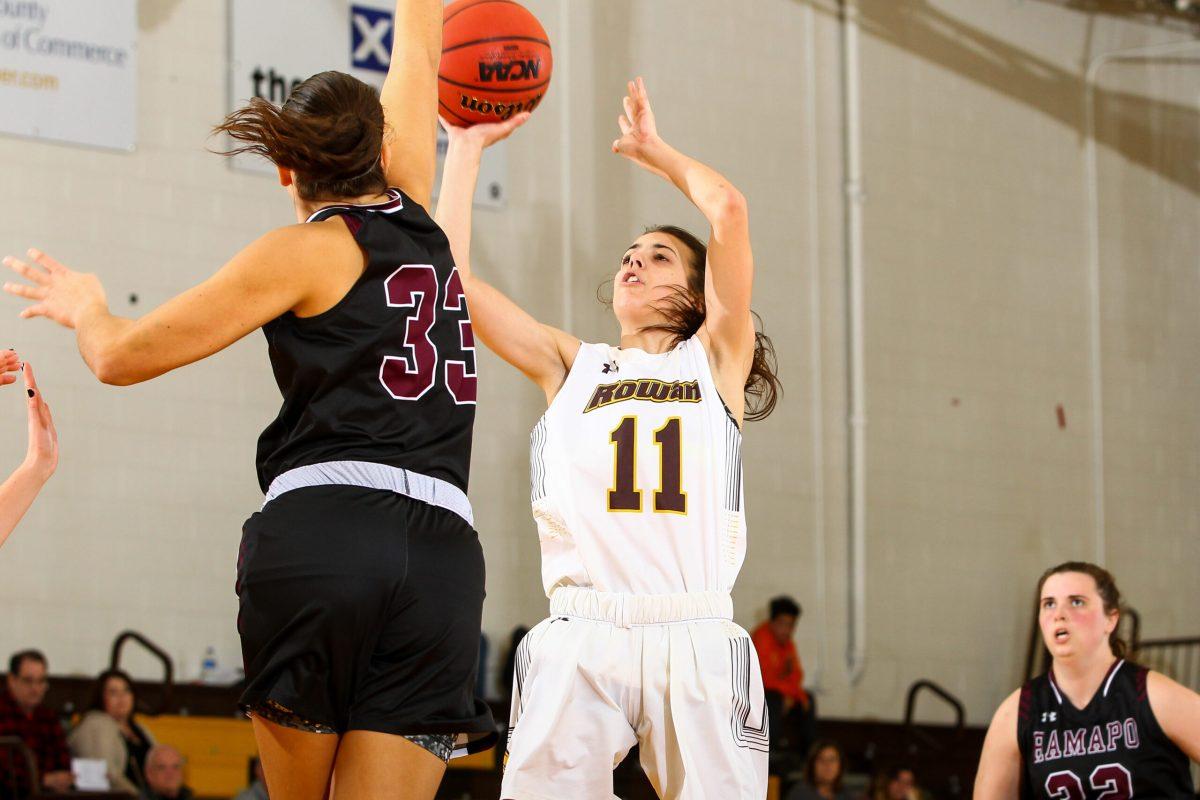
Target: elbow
[
  {"x": 113, "y": 376},
  {"x": 112, "y": 369},
  {"x": 729, "y": 208}
]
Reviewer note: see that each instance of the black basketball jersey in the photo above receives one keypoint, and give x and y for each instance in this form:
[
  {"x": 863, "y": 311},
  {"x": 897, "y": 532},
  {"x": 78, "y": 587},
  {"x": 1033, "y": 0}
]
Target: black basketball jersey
[
  {"x": 1112, "y": 749},
  {"x": 387, "y": 375}
]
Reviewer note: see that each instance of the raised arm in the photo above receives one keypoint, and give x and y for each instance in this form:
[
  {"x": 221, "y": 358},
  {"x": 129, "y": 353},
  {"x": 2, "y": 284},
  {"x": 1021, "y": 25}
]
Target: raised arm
[
  {"x": 999, "y": 775},
  {"x": 729, "y": 276},
  {"x": 41, "y": 458},
  {"x": 272, "y": 275},
  {"x": 410, "y": 98},
  {"x": 543, "y": 353}
]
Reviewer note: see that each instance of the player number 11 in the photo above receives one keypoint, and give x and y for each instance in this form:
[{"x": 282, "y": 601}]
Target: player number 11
[{"x": 669, "y": 498}]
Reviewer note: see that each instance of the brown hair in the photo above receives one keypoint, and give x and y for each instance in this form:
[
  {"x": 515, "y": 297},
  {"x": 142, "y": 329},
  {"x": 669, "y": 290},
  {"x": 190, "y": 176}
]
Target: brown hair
[
  {"x": 810, "y": 763},
  {"x": 684, "y": 312},
  {"x": 329, "y": 132},
  {"x": 97, "y": 702},
  {"x": 1106, "y": 587}
]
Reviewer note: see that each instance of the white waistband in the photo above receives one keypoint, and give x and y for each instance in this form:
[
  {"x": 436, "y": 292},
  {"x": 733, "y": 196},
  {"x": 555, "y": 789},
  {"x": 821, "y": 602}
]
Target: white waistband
[
  {"x": 626, "y": 610},
  {"x": 369, "y": 475}
]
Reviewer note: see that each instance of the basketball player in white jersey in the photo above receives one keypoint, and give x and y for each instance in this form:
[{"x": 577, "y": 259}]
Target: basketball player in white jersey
[
  {"x": 41, "y": 454},
  {"x": 637, "y": 493}
]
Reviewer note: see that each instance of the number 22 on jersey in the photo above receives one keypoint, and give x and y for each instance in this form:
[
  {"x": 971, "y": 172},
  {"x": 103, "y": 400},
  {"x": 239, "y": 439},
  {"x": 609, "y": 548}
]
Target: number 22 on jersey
[{"x": 669, "y": 498}]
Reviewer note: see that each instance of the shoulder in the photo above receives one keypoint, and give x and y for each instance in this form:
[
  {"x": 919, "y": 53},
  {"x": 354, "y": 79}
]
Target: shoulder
[
  {"x": 1168, "y": 699},
  {"x": 296, "y": 250},
  {"x": 1009, "y": 712}
]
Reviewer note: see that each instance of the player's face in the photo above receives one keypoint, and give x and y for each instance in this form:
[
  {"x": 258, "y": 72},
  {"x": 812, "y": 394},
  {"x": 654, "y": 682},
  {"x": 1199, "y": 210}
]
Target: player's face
[
  {"x": 651, "y": 270},
  {"x": 1072, "y": 616}
]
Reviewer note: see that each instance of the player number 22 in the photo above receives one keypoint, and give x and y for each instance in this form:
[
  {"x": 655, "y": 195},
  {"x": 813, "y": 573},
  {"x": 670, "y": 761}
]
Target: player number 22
[
  {"x": 669, "y": 498},
  {"x": 1112, "y": 780}
]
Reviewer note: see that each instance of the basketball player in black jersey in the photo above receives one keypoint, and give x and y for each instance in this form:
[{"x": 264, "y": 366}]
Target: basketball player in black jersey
[
  {"x": 1094, "y": 726},
  {"x": 361, "y": 580}
]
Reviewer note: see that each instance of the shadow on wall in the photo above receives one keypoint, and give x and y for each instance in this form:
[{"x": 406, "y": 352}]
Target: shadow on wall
[
  {"x": 1138, "y": 127},
  {"x": 153, "y": 13}
]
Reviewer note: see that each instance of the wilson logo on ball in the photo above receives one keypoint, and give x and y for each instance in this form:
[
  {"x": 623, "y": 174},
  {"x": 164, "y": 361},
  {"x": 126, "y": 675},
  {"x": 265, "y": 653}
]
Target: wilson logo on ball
[{"x": 486, "y": 108}]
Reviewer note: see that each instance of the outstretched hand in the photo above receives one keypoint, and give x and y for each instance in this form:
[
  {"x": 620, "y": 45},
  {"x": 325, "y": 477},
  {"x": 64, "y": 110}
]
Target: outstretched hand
[
  {"x": 41, "y": 454},
  {"x": 10, "y": 365},
  {"x": 485, "y": 134},
  {"x": 639, "y": 133},
  {"x": 61, "y": 294}
]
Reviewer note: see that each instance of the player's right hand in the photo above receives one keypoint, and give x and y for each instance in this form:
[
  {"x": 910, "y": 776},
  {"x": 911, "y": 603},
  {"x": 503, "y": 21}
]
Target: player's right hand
[
  {"x": 485, "y": 134},
  {"x": 41, "y": 455}
]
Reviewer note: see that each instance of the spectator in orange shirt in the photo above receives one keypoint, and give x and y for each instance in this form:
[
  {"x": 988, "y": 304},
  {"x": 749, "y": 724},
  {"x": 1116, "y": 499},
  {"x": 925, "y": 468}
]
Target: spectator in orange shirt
[{"x": 789, "y": 708}]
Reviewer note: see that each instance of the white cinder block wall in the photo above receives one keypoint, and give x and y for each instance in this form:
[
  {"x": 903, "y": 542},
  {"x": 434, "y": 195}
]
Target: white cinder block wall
[{"x": 979, "y": 323}]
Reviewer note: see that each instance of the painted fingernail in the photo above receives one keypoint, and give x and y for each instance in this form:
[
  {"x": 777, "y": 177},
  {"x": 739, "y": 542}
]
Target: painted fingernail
[{"x": 30, "y": 391}]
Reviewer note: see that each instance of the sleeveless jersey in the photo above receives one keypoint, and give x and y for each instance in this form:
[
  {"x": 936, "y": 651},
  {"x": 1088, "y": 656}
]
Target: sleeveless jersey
[
  {"x": 636, "y": 476},
  {"x": 1113, "y": 748},
  {"x": 387, "y": 375}
]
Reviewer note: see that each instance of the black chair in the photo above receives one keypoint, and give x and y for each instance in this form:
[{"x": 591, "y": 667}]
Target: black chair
[{"x": 12, "y": 752}]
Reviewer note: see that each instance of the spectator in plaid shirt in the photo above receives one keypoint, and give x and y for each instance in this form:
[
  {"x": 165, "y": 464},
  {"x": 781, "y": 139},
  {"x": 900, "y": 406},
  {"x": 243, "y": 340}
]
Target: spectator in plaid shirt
[{"x": 23, "y": 715}]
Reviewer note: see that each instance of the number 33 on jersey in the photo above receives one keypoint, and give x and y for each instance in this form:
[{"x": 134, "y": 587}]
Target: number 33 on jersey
[{"x": 636, "y": 475}]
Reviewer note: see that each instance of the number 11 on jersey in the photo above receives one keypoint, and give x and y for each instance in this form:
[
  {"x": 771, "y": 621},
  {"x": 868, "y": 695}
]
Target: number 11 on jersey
[{"x": 669, "y": 498}]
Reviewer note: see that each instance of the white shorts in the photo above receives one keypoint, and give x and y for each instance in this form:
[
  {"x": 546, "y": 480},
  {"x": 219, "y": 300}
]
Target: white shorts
[{"x": 671, "y": 673}]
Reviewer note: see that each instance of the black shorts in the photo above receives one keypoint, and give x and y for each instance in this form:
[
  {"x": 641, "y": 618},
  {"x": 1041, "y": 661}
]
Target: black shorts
[{"x": 360, "y": 609}]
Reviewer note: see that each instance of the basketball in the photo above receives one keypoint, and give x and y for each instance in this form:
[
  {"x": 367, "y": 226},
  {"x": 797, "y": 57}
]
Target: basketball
[{"x": 496, "y": 61}]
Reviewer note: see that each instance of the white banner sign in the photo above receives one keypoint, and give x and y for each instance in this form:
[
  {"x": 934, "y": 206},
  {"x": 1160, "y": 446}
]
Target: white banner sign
[
  {"x": 68, "y": 71},
  {"x": 352, "y": 36}
]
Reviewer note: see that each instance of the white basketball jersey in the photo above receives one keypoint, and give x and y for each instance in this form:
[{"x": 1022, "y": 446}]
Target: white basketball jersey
[{"x": 636, "y": 475}]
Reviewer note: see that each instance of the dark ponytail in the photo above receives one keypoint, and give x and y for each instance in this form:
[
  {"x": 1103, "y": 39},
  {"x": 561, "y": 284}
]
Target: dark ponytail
[
  {"x": 684, "y": 312},
  {"x": 329, "y": 132}
]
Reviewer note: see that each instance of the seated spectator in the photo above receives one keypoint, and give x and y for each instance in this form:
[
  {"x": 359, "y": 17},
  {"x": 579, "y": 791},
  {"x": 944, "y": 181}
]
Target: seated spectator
[
  {"x": 23, "y": 715},
  {"x": 109, "y": 731},
  {"x": 895, "y": 783},
  {"x": 41, "y": 452},
  {"x": 823, "y": 771},
  {"x": 257, "y": 790},
  {"x": 164, "y": 775},
  {"x": 789, "y": 708}
]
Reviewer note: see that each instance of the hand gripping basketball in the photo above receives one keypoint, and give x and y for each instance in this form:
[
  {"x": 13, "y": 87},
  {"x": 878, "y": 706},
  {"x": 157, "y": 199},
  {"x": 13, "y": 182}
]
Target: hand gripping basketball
[
  {"x": 639, "y": 133},
  {"x": 483, "y": 134}
]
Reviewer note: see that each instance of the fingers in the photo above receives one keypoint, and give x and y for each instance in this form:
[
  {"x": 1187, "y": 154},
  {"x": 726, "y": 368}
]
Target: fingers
[
  {"x": 38, "y": 276},
  {"x": 46, "y": 261},
  {"x": 33, "y": 311},
  {"x": 624, "y": 124},
  {"x": 630, "y": 111},
  {"x": 6, "y": 378},
  {"x": 30, "y": 381},
  {"x": 22, "y": 290}
]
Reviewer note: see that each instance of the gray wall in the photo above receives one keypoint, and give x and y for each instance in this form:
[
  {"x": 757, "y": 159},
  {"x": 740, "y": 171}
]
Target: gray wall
[{"x": 979, "y": 268}]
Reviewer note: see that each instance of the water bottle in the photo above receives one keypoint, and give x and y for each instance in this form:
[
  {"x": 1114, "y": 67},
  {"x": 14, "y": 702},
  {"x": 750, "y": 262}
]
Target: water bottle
[{"x": 208, "y": 667}]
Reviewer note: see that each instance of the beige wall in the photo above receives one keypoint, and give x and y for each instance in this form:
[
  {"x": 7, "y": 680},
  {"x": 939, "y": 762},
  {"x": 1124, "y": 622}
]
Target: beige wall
[{"x": 978, "y": 323}]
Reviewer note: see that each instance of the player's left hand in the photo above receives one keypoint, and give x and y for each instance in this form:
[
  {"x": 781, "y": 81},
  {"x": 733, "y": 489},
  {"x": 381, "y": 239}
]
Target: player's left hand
[
  {"x": 639, "y": 140},
  {"x": 485, "y": 134},
  {"x": 10, "y": 365},
  {"x": 62, "y": 295}
]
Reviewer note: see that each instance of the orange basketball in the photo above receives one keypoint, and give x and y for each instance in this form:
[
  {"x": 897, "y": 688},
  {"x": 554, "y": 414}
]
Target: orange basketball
[{"x": 495, "y": 61}]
